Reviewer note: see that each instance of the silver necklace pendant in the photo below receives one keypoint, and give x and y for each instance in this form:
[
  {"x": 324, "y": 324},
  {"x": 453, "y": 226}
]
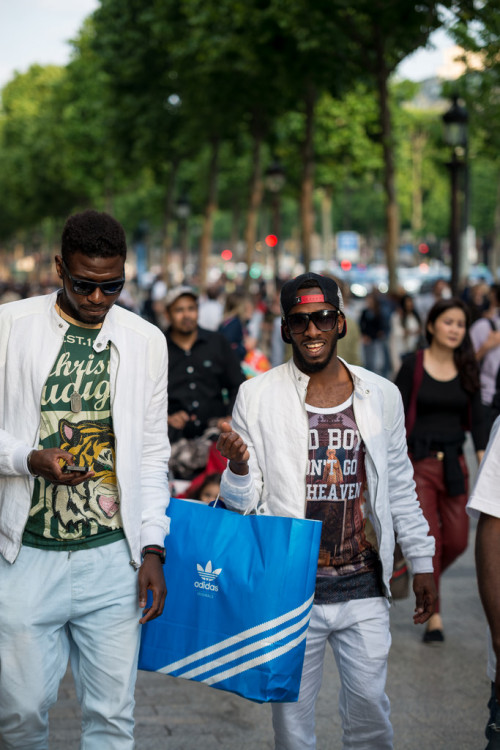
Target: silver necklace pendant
[{"x": 75, "y": 402}]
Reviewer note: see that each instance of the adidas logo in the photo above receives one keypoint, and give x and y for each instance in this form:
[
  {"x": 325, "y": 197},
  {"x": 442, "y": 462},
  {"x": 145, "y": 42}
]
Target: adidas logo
[{"x": 207, "y": 575}]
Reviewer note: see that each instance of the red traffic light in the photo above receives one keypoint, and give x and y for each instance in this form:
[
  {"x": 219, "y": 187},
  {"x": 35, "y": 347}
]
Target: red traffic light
[
  {"x": 423, "y": 248},
  {"x": 345, "y": 265},
  {"x": 271, "y": 240},
  {"x": 226, "y": 255}
]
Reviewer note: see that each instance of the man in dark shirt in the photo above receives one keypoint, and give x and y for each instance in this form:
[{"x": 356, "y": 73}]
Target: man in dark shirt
[{"x": 204, "y": 373}]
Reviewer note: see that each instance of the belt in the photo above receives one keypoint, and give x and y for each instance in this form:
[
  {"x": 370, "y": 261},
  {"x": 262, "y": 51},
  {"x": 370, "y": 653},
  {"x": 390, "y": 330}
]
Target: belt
[{"x": 439, "y": 455}]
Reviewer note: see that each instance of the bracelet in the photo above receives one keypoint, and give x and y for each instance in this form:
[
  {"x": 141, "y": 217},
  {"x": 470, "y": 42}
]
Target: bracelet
[
  {"x": 28, "y": 461},
  {"x": 155, "y": 549}
]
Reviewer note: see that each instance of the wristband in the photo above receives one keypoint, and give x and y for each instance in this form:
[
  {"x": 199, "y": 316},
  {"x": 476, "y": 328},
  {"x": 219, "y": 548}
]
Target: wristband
[
  {"x": 155, "y": 549},
  {"x": 28, "y": 461}
]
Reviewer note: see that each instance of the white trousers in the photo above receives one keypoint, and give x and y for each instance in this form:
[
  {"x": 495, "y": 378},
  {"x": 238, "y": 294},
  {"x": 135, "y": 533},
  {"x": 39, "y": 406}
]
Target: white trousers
[
  {"x": 57, "y": 604},
  {"x": 358, "y": 633}
]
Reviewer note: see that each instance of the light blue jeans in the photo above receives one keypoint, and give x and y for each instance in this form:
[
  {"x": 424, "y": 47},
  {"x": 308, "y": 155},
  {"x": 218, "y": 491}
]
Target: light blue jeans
[
  {"x": 358, "y": 633},
  {"x": 83, "y": 605}
]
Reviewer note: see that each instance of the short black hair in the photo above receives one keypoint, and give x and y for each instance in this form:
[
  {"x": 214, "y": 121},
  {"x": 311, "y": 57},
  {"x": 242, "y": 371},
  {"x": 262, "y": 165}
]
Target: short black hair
[{"x": 95, "y": 234}]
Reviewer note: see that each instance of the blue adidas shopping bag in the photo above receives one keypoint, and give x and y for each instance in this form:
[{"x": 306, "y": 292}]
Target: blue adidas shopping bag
[{"x": 240, "y": 592}]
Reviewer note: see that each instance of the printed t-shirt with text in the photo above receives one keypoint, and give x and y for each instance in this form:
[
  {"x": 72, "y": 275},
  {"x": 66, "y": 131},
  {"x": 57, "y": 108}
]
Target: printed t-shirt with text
[
  {"x": 348, "y": 564},
  {"x": 88, "y": 514}
]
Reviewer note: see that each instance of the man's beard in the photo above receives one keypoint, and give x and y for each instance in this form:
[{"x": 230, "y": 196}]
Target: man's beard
[
  {"x": 309, "y": 368},
  {"x": 187, "y": 330}
]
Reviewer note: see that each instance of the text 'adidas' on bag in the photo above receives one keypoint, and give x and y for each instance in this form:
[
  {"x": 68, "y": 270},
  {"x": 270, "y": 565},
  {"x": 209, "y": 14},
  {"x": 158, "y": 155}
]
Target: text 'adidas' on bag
[{"x": 240, "y": 592}]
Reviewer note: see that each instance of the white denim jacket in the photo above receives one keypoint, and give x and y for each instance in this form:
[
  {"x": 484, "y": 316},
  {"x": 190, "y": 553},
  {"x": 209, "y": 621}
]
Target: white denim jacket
[
  {"x": 31, "y": 335},
  {"x": 270, "y": 416}
]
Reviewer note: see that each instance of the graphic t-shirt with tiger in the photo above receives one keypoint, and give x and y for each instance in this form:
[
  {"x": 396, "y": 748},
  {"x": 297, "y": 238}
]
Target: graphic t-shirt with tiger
[{"x": 88, "y": 514}]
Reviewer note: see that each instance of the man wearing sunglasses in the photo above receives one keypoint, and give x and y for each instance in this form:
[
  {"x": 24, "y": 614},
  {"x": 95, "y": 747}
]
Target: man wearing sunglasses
[
  {"x": 321, "y": 439},
  {"x": 83, "y": 490}
]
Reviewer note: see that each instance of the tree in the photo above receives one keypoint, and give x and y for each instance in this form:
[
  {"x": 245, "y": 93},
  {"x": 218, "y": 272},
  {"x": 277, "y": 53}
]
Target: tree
[
  {"x": 317, "y": 60},
  {"x": 476, "y": 28},
  {"x": 33, "y": 150},
  {"x": 421, "y": 178},
  {"x": 383, "y": 33}
]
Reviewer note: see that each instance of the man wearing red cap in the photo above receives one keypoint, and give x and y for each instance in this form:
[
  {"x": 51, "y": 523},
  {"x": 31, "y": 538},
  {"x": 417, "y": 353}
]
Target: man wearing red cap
[{"x": 321, "y": 439}]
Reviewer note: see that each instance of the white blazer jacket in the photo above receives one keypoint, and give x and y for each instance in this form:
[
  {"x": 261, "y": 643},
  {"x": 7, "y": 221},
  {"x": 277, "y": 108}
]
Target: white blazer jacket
[
  {"x": 271, "y": 417},
  {"x": 31, "y": 335}
]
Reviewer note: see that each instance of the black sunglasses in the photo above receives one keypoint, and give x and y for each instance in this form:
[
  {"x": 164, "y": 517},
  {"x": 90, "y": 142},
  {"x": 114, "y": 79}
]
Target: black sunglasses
[
  {"x": 324, "y": 320},
  {"x": 86, "y": 287}
]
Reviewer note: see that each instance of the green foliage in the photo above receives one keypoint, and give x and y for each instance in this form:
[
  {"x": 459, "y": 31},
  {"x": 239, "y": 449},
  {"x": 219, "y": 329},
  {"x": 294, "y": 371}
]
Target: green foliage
[
  {"x": 151, "y": 85},
  {"x": 33, "y": 150},
  {"x": 476, "y": 27}
]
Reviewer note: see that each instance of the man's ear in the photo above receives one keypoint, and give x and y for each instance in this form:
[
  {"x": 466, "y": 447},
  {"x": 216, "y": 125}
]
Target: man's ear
[
  {"x": 341, "y": 327},
  {"x": 285, "y": 334},
  {"x": 58, "y": 261}
]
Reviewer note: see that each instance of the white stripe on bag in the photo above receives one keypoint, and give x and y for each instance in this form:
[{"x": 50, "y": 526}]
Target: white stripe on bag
[
  {"x": 236, "y": 639},
  {"x": 254, "y": 662},
  {"x": 250, "y": 649}
]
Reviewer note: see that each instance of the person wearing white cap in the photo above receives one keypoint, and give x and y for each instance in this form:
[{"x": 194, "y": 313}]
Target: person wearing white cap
[{"x": 204, "y": 376}]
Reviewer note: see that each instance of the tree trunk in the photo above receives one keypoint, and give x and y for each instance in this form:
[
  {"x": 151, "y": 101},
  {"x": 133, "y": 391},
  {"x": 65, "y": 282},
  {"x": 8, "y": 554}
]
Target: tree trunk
[
  {"x": 418, "y": 142},
  {"x": 256, "y": 191},
  {"x": 208, "y": 219},
  {"x": 168, "y": 209},
  {"x": 307, "y": 186},
  {"x": 235, "y": 226},
  {"x": 326, "y": 222},
  {"x": 494, "y": 260},
  {"x": 391, "y": 207}
]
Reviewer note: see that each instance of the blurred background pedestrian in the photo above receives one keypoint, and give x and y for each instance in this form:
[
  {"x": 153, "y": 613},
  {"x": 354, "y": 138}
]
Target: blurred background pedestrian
[
  {"x": 405, "y": 331},
  {"x": 210, "y": 308},
  {"x": 204, "y": 375},
  {"x": 238, "y": 311},
  {"x": 373, "y": 327},
  {"x": 485, "y": 336}
]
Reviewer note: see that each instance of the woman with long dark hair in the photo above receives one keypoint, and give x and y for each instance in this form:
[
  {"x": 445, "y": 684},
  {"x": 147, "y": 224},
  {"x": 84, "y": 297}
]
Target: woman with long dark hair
[{"x": 441, "y": 396}]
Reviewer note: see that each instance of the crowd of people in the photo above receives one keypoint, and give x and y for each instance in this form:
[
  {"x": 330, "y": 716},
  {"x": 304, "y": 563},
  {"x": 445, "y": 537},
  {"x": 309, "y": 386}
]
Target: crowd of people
[{"x": 373, "y": 402}]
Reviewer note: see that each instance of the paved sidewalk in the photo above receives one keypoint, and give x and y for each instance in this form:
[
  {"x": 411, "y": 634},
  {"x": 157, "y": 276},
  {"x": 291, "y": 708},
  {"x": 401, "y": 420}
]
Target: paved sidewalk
[{"x": 438, "y": 693}]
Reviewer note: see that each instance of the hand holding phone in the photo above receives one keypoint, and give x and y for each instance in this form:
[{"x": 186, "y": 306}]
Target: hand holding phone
[{"x": 67, "y": 469}]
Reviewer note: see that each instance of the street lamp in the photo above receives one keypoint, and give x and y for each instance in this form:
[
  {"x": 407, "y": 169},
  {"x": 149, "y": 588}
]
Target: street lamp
[
  {"x": 275, "y": 179},
  {"x": 183, "y": 210},
  {"x": 455, "y": 133}
]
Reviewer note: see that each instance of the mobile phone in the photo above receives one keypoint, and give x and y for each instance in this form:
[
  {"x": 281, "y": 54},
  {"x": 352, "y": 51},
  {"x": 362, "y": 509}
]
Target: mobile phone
[{"x": 67, "y": 469}]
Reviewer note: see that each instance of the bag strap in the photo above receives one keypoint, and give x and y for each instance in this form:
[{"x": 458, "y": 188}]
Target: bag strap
[{"x": 418, "y": 374}]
